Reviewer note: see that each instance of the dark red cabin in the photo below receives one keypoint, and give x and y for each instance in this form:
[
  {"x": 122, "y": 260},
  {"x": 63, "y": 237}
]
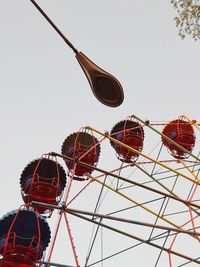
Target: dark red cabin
[
  {"x": 84, "y": 147},
  {"x": 43, "y": 180},
  {"x": 24, "y": 236},
  {"x": 183, "y": 134},
  {"x": 130, "y": 133}
]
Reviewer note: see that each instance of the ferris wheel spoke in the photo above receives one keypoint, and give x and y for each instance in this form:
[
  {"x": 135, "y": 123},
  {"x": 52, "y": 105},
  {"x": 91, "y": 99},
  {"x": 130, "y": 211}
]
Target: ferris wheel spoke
[
  {"x": 157, "y": 191},
  {"x": 54, "y": 237},
  {"x": 96, "y": 232},
  {"x": 48, "y": 263},
  {"x": 148, "y": 242},
  {"x": 161, "y": 251},
  {"x": 135, "y": 206},
  {"x": 102, "y": 216},
  {"x": 156, "y": 220},
  {"x": 181, "y": 212},
  {"x": 139, "y": 204},
  {"x": 100, "y": 195},
  {"x": 155, "y": 163},
  {"x": 192, "y": 187},
  {"x": 92, "y": 242},
  {"x": 156, "y": 181},
  {"x": 119, "y": 219},
  {"x": 119, "y": 177},
  {"x": 167, "y": 234},
  {"x": 160, "y": 172},
  {"x": 71, "y": 241},
  {"x": 115, "y": 254},
  {"x": 195, "y": 164},
  {"x": 163, "y": 213},
  {"x": 188, "y": 262},
  {"x": 157, "y": 237},
  {"x": 173, "y": 187},
  {"x": 75, "y": 197}
]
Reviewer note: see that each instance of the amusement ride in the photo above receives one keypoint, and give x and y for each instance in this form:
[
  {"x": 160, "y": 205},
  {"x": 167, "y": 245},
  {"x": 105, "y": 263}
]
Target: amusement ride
[{"x": 147, "y": 206}]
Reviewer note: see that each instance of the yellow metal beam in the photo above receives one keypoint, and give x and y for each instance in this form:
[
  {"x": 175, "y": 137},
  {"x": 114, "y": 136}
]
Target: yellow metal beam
[
  {"x": 137, "y": 203},
  {"x": 191, "y": 172},
  {"x": 167, "y": 138},
  {"x": 142, "y": 154},
  {"x": 191, "y": 121}
]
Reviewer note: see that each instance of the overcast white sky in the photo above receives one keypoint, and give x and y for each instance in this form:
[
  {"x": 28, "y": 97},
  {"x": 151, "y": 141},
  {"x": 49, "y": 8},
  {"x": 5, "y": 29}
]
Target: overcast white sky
[{"x": 45, "y": 95}]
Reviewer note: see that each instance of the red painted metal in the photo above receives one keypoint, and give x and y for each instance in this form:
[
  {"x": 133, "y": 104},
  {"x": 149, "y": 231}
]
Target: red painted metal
[
  {"x": 130, "y": 133},
  {"x": 43, "y": 180},
  {"x": 82, "y": 146},
  {"x": 65, "y": 198},
  {"x": 22, "y": 245},
  {"x": 71, "y": 241},
  {"x": 183, "y": 134}
]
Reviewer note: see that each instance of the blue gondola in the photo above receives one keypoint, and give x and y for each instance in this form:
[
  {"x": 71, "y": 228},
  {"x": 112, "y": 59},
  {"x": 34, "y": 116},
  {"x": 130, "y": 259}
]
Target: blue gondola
[
  {"x": 24, "y": 236},
  {"x": 43, "y": 180}
]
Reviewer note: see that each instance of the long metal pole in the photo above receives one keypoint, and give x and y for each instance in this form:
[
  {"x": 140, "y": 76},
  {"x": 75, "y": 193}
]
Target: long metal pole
[
  {"x": 137, "y": 203},
  {"x": 54, "y": 26},
  {"x": 156, "y": 181},
  {"x": 126, "y": 180},
  {"x": 166, "y": 188},
  {"x": 114, "y": 218},
  {"x": 60, "y": 218},
  {"x": 48, "y": 263},
  {"x": 138, "y": 239}
]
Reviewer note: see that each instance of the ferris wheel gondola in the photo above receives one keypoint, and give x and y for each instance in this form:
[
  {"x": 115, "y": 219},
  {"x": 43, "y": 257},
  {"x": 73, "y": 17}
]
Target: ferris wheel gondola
[
  {"x": 82, "y": 146},
  {"x": 182, "y": 133},
  {"x": 130, "y": 133},
  {"x": 24, "y": 237},
  {"x": 43, "y": 180}
]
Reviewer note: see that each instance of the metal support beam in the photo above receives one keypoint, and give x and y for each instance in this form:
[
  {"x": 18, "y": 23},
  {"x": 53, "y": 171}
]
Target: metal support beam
[
  {"x": 148, "y": 242},
  {"x": 166, "y": 137},
  {"x": 48, "y": 263},
  {"x": 187, "y": 203},
  {"x": 114, "y": 218},
  {"x": 143, "y": 155}
]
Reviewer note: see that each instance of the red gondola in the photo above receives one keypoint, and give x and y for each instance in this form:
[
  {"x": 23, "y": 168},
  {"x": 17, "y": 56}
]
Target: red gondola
[
  {"x": 43, "y": 180},
  {"x": 130, "y": 133},
  {"x": 183, "y": 134},
  {"x": 85, "y": 147},
  {"x": 24, "y": 236}
]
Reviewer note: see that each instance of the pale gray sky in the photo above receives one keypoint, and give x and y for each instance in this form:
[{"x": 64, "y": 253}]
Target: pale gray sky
[{"x": 45, "y": 95}]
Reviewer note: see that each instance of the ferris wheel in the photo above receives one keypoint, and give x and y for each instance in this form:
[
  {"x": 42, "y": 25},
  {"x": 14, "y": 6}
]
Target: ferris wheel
[
  {"x": 147, "y": 205},
  {"x": 125, "y": 197}
]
